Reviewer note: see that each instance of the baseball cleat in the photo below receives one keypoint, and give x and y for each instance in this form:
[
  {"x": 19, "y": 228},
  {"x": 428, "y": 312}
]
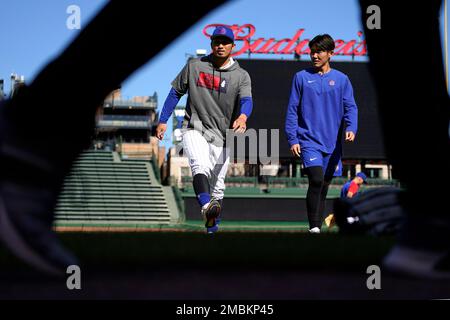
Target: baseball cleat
[
  {"x": 214, "y": 228},
  {"x": 211, "y": 213},
  {"x": 314, "y": 230}
]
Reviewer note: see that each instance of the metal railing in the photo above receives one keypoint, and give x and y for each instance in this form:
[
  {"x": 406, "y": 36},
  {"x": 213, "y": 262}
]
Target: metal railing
[
  {"x": 287, "y": 182},
  {"x": 124, "y": 121},
  {"x": 129, "y": 103},
  {"x": 110, "y": 117}
]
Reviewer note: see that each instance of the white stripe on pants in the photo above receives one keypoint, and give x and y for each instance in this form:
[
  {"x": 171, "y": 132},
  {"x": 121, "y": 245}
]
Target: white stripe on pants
[{"x": 208, "y": 159}]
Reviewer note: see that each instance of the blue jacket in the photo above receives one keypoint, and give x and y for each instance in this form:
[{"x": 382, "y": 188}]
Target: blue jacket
[
  {"x": 346, "y": 188},
  {"x": 318, "y": 108}
]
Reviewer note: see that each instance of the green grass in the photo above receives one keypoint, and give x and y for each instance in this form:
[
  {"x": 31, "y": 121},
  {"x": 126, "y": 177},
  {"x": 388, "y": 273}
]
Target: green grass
[
  {"x": 282, "y": 195},
  {"x": 254, "y": 226},
  {"x": 235, "y": 250},
  {"x": 198, "y": 226}
]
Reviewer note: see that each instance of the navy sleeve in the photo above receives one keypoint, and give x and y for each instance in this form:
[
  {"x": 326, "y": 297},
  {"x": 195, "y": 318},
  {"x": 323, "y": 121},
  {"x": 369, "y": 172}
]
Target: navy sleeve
[
  {"x": 169, "y": 105},
  {"x": 246, "y": 106},
  {"x": 350, "y": 108},
  {"x": 291, "y": 124}
]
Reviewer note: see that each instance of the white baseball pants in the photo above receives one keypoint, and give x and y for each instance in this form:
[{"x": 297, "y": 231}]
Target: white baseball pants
[{"x": 208, "y": 159}]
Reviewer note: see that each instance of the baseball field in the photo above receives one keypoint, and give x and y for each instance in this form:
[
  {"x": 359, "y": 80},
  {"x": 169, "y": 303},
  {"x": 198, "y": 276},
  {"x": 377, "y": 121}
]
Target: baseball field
[{"x": 248, "y": 260}]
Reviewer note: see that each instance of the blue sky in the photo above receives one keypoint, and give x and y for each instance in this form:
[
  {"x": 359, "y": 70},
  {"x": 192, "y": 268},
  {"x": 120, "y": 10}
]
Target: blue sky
[{"x": 32, "y": 32}]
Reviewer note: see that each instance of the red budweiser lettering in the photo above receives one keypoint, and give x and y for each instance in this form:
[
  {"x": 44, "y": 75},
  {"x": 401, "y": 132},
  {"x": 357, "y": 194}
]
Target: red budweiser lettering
[{"x": 245, "y": 33}]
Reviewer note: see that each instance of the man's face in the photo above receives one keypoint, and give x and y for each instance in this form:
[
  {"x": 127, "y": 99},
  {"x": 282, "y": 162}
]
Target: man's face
[
  {"x": 320, "y": 58},
  {"x": 222, "y": 47},
  {"x": 359, "y": 180}
]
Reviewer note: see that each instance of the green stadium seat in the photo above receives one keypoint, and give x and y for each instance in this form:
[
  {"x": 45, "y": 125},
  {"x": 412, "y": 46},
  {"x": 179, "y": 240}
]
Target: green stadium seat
[{"x": 100, "y": 188}]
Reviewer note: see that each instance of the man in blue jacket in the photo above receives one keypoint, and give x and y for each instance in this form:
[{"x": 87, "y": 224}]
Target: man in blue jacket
[
  {"x": 321, "y": 107},
  {"x": 351, "y": 187}
]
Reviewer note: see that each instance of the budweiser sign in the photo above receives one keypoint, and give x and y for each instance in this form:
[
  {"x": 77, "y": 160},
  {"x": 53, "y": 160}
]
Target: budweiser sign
[{"x": 294, "y": 45}]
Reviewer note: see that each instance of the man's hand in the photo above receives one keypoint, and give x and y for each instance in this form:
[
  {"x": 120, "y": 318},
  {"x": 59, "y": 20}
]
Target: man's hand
[
  {"x": 349, "y": 136},
  {"x": 160, "y": 130},
  {"x": 240, "y": 125},
  {"x": 295, "y": 149}
]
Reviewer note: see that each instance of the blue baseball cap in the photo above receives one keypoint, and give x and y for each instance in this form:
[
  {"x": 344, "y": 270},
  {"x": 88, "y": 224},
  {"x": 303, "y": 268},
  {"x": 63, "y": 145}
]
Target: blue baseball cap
[
  {"x": 362, "y": 176},
  {"x": 223, "y": 31}
]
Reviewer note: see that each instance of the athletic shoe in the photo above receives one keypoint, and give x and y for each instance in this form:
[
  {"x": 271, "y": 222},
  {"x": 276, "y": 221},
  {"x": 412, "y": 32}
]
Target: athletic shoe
[
  {"x": 214, "y": 228},
  {"x": 314, "y": 230},
  {"x": 211, "y": 213}
]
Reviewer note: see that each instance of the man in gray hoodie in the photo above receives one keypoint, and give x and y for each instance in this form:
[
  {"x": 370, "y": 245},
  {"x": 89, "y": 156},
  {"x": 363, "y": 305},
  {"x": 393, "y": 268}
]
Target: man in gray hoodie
[{"x": 219, "y": 99}]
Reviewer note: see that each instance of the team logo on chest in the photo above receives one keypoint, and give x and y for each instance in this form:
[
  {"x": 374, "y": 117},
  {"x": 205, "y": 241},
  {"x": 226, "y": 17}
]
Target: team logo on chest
[
  {"x": 332, "y": 83},
  {"x": 207, "y": 80}
]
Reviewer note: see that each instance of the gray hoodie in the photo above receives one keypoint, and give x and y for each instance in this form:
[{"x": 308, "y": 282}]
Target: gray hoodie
[{"x": 213, "y": 95}]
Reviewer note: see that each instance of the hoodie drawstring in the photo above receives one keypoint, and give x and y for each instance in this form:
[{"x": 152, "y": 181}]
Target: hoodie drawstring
[{"x": 220, "y": 81}]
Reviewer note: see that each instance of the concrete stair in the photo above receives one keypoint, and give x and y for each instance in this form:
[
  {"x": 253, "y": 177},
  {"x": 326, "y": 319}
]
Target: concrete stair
[{"x": 103, "y": 189}]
